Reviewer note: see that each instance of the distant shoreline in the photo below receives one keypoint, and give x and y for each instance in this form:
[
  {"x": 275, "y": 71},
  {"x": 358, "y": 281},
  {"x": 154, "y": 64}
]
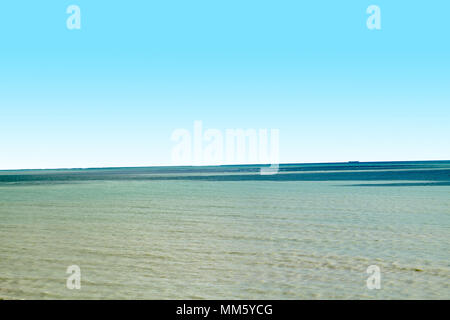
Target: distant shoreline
[{"x": 230, "y": 165}]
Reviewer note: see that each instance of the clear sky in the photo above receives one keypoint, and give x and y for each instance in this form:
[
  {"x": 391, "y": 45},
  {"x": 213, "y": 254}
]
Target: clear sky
[{"x": 112, "y": 93}]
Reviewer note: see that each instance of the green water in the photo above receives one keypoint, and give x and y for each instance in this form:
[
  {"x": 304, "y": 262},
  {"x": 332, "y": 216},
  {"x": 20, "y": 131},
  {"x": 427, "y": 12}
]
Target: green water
[{"x": 306, "y": 233}]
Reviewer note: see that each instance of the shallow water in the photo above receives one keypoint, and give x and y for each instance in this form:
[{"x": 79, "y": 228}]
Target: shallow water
[{"x": 309, "y": 232}]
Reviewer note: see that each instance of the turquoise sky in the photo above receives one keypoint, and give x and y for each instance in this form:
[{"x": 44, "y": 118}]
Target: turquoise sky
[{"x": 112, "y": 93}]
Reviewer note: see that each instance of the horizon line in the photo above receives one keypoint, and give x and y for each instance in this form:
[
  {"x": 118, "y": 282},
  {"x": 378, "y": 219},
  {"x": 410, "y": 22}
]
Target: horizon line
[{"x": 221, "y": 165}]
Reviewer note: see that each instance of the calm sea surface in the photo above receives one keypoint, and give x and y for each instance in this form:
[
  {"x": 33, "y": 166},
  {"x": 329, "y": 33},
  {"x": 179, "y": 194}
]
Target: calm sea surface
[{"x": 309, "y": 232}]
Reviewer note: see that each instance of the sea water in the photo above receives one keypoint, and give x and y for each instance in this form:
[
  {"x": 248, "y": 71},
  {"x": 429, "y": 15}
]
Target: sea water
[{"x": 308, "y": 232}]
